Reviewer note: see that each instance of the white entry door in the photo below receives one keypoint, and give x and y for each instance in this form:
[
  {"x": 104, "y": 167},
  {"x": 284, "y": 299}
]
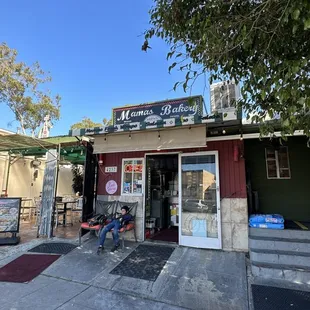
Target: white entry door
[{"x": 199, "y": 200}]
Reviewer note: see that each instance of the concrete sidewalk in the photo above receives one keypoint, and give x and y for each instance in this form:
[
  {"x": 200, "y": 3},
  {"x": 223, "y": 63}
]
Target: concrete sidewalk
[{"x": 191, "y": 279}]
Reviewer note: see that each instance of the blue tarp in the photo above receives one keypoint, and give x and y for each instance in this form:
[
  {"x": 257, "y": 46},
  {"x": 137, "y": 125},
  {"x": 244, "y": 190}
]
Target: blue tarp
[
  {"x": 267, "y": 218},
  {"x": 267, "y": 225}
]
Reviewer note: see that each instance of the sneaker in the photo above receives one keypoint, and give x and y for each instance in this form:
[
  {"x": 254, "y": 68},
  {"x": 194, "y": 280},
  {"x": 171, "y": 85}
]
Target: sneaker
[
  {"x": 99, "y": 250},
  {"x": 115, "y": 248}
]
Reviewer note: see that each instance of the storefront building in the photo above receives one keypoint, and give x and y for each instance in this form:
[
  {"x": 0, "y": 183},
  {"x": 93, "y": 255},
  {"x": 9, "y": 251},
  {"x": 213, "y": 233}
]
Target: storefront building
[{"x": 191, "y": 189}]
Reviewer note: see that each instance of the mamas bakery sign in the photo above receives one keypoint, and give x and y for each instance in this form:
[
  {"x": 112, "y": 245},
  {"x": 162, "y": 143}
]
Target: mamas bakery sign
[{"x": 153, "y": 112}]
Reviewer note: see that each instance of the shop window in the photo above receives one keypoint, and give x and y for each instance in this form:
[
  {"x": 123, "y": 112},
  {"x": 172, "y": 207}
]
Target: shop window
[
  {"x": 277, "y": 163},
  {"x": 132, "y": 176}
]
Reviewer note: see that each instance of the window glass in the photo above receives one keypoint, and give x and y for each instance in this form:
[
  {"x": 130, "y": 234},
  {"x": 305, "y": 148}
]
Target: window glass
[
  {"x": 284, "y": 173},
  {"x": 272, "y": 169},
  {"x": 132, "y": 176},
  {"x": 277, "y": 163},
  {"x": 283, "y": 158}
]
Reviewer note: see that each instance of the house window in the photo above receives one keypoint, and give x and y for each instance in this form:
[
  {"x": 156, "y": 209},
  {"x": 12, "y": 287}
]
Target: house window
[
  {"x": 277, "y": 163},
  {"x": 132, "y": 176}
]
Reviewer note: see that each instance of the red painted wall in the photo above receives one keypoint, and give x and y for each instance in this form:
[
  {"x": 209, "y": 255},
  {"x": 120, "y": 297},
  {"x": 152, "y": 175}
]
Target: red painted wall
[{"x": 232, "y": 173}]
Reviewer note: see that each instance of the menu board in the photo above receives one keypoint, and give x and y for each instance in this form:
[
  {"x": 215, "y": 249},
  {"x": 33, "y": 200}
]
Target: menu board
[
  {"x": 48, "y": 194},
  {"x": 9, "y": 214}
]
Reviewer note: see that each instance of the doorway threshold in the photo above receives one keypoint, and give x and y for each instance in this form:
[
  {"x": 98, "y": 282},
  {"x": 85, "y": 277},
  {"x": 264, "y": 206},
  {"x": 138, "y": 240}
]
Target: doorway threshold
[{"x": 159, "y": 242}]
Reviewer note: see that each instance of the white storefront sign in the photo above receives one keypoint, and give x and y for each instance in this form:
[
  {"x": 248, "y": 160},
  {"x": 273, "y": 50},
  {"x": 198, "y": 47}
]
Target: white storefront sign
[{"x": 110, "y": 169}]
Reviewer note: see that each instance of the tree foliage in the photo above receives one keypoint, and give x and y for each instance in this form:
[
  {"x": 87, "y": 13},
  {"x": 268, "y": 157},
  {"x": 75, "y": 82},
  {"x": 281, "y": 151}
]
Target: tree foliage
[
  {"x": 264, "y": 44},
  {"x": 21, "y": 89},
  {"x": 107, "y": 122},
  {"x": 77, "y": 179},
  {"x": 86, "y": 122}
]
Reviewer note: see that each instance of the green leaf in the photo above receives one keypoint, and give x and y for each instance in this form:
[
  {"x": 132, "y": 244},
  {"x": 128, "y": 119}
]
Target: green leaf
[
  {"x": 185, "y": 86},
  {"x": 296, "y": 14},
  {"x": 172, "y": 66},
  {"x": 244, "y": 31},
  {"x": 170, "y": 54},
  {"x": 286, "y": 123},
  {"x": 302, "y": 100},
  {"x": 175, "y": 86},
  {"x": 191, "y": 101},
  {"x": 307, "y": 24}
]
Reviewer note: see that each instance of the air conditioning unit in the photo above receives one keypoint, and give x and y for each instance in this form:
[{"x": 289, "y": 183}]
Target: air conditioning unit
[{"x": 224, "y": 96}]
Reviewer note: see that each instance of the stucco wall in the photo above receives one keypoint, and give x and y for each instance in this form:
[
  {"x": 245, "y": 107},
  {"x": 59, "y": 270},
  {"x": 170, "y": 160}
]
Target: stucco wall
[
  {"x": 3, "y": 161},
  {"x": 234, "y": 218},
  {"x": 64, "y": 182},
  {"x": 22, "y": 182}
]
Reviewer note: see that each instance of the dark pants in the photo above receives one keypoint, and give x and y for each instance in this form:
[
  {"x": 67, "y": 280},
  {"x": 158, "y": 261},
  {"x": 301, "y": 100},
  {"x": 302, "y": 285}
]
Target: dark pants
[{"x": 115, "y": 225}]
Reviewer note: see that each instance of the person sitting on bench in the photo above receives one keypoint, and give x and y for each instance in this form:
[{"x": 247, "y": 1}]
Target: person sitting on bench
[{"x": 116, "y": 225}]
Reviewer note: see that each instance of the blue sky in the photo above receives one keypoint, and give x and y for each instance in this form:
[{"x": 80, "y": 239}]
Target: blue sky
[{"x": 93, "y": 52}]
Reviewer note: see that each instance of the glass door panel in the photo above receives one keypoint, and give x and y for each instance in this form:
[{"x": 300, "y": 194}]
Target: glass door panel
[{"x": 200, "y": 200}]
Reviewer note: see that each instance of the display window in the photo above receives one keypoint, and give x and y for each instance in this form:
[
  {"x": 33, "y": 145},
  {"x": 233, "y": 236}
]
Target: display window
[{"x": 132, "y": 176}]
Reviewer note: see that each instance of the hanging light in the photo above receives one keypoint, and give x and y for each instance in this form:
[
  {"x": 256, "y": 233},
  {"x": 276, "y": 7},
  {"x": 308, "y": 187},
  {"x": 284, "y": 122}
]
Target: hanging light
[
  {"x": 224, "y": 131},
  {"x": 241, "y": 136},
  {"x": 159, "y": 137},
  {"x": 100, "y": 159},
  {"x": 129, "y": 136},
  {"x": 105, "y": 137}
]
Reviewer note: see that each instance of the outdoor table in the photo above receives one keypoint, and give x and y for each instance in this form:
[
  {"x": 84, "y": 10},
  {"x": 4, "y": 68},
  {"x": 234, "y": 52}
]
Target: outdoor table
[{"x": 65, "y": 209}]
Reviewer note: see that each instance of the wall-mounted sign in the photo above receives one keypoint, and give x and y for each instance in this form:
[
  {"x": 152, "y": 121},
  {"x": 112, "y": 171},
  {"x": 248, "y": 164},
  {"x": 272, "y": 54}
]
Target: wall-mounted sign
[
  {"x": 152, "y": 113},
  {"x": 111, "y": 187},
  {"x": 110, "y": 169},
  {"x": 9, "y": 214},
  {"x": 128, "y": 168}
]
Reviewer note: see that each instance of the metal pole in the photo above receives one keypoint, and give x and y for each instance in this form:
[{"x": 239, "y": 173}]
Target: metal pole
[
  {"x": 56, "y": 185},
  {"x": 7, "y": 176}
]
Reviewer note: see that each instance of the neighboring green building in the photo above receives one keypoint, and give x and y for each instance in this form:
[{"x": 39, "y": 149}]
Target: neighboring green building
[{"x": 280, "y": 173}]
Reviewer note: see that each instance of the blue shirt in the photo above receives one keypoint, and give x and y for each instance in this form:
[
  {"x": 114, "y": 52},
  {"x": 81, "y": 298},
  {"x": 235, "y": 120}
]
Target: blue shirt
[{"x": 125, "y": 219}]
